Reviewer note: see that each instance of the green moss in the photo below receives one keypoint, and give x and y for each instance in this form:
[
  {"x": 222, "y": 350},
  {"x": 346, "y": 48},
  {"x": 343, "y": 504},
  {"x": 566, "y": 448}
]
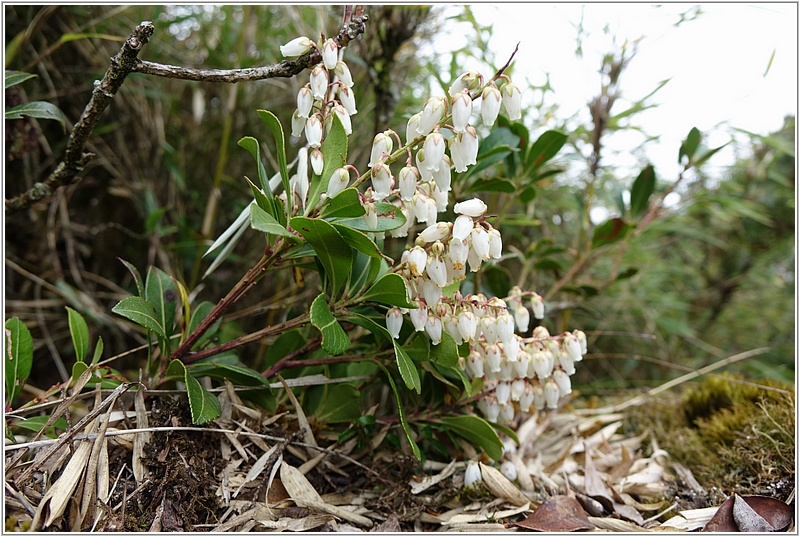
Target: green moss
[{"x": 732, "y": 435}]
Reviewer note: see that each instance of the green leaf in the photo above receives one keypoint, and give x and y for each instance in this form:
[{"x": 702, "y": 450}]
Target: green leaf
[
  {"x": 346, "y": 204},
  {"x": 18, "y": 357},
  {"x": 402, "y": 414},
  {"x": 545, "y": 148},
  {"x": 340, "y": 403},
  {"x": 477, "y": 431},
  {"x": 333, "y": 252},
  {"x": 36, "y": 109},
  {"x": 707, "y": 155},
  {"x": 260, "y": 198},
  {"x": 408, "y": 371},
  {"x": 334, "y": 154},
  {"x": 202, "y": 403},
  {"x": 237, "y": 373},
  {"x": 80, "y": 334},
  {"x": 141, "y": 312},
  {"x": 199, "y": 313},
  {"x": 491, "y": 184},
  {"x": 98, "y": 351},
  {"x": 251, "y": 145},
  {"x": 17, "y": 77},
  {"x": 389, "y": 218},
  {"x": 334, "y": 338},
  {"x": 79, "y": 368},
  {"x": 642, "y": 189},
  {"x": 137, "y": 278},
  {"x": 358, "y": 240},
  {"x": 261, "y": 220},
  {"x": 160, "y": 292},
  {"x": 35, "y": 424},
  {"x": 610, "y": 232},
  {"x": 275, "y": 126},
  {"x": 446, "y": 352},
  {"x": 363, "y": 272},
  {"x": 690, "y": 145},
  {"x": 391, "y": 290}
]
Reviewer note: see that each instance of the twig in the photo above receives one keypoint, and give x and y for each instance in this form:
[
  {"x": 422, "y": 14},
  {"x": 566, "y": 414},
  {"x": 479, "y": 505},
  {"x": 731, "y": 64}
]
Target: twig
[
  {"x": 75, "y": 159},
  {"x": 500, "y": 71}
]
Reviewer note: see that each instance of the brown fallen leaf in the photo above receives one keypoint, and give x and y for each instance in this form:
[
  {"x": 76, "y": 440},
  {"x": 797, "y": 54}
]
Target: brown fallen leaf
[
  {"x": 558, "y": 513},
  {"x": 751, "y": 514}
]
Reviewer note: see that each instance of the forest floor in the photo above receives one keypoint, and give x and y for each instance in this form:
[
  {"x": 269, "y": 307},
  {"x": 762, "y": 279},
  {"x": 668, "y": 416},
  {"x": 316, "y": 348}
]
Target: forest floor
[{"x": 150, "y": 469}]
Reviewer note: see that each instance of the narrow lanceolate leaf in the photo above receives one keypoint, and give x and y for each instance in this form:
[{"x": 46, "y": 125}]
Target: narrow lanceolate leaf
[
  {"x": 275, "y": 126},
  {"x": 334, "y": 153},
  {"x": 16, "y": 77},
  {"x": 261, "y": 220},
  {"x": 18, "y": 357},
  {"x": 545, "y": 148},
  {"x": 407, "y": 368},
  {"x": 390, "y": 290},
  {"x": 334, "y": 338},
  {"x": 141, "y": 312},
  {"x": 333, "y": 252},
  {"x": 36, "y": 109},
  {"x": 137, "y": 278},
  {"x": 389, "y": 218},
  {"x": 689, "y": 145},
  {"x": 98, "y": 351},
  {"x": 610, "y": 232},
  {"x": 402, "y": 414},
  {"x": 358, "y": 240},
  {"x": 476, "y": 430},
  {"x": 160, "y": 292},
  {"x": 202, "y": 403},
  {"x": 80, "y": 334},
  {"x": 199, "y": 313},
  {"x": 251, "y": 145},
  {"x": 346, "y": 204},
  {"x": 642, "y": 189}
]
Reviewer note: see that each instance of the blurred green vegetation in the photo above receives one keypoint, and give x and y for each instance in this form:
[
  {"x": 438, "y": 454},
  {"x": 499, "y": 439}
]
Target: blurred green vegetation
[{"x": 710, "y": 276}]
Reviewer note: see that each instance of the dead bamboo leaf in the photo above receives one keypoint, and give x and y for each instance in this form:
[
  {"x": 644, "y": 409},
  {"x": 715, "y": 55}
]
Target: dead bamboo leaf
[
  {"x": 468, "y": 518},
  {"x": 501, "y": 487},
  {"x": 615, "y": 524},
  {"x": 57, "y": 497},
  {"x": 431, "y": 480},
  {"x": 257, "y": 468}
]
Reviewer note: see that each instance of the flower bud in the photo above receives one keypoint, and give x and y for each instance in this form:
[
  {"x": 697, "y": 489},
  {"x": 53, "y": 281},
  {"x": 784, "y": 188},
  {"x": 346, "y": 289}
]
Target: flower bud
[
  {"x": 348, "y": 100},
  {"x": 338, "y": 181},
  {"x": 330, "y": 54},
  {"x": 394, "y": 322},
  {"x": 296, "y": 47},
  {"x": 313, "y": 131},
  {"x": 412, "y": 127},
  {"x": 490, "y": 105},
  {"x": 462, "y": 109},
  {"x": 342, "y": 72},
  {"x": 468, "y": 81},
  {"x": 473, "y": 207},
  {"x": 512, "y": 101},
  {"x": 319, "y": 81},
  {"x": 305, "y": 100},
  {"x": 435, "y": 232},
  {"x": 317, "y": 162}
]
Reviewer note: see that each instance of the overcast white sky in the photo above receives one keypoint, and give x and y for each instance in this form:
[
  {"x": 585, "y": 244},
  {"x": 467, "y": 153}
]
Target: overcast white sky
[{"x": 718, "y": 63}]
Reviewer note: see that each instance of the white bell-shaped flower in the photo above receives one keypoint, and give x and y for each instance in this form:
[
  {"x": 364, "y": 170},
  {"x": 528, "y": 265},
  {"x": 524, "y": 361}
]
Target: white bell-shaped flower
[
  {"x": 402, "y": 231},
  {"x": 563, "y": 382},
  {"x": 474, "y": 365},
  {"x": 330, "y": 54},
  {"x": 517, "y": 388},
  {"x": 417, "y": 259},
  {"x": 434, "y": 150},
  {"x": 317, "y": 161},
  {"x": 394, "y": 322},
  {"x": 419, "y": 316},
  {"x": 441, "y": 199},
  {"x": 479, "y": 239},
  {"x": 538, "y": 396},
  {"x": 305, "y": 100},
  {"x": 472, "y": 475},
  {"x": 582, "y": 340},
  {"x": 503, "y": 392},
  {"x": 522, "y": 318},
  {"x": 507, "y": 413},
  {"x": 435, "y": 232},
  {"x": 382, "y": 181},
  {"x": 338, "y": 181},
  {"x": 450, "y": 325},
  {"x": 432, "y": 114},
  {"x": 408, "y": 179},
  {"x": 511, "y": 349},
  {"x": 370, "y": 215},
  {"x": 526, "y": 399},
  {"x": 298, "y": 124},
  {"x": 437, "y": 270},
  {"x": 490, "y": 105},
  {"x": 426, "y": 175},
  {"x": 488, "y": 327},
  {"x": 495, "y": 245},
  {"x": 573, "y": 347},
  {"x": 552, "y": 393},
  {"x": 433, "y": 327},
  {"x": 474, "y": 261},
  {"x": 412, "y": 127},
  {"x": 472, "y": 207},
  {"x": 431, "y": 209},
  {"x": 462, "y": 110},
  {"x": 319, "y": 81},
  {"x": 296, "y": 47},
  {"x": 468, "y": 81},
  {"x": 441, "y": 177},
  {"x": 342, "y": 72},
  {"x": 457, "y": 250},
  {"x": 462, "y": 227},
  {"x": 522, "y": 363},
  {"x": 348, "y": 99},
  {"x": 344, "y": 117},
  {"x": 512, "y": 100},
  {"x": 505, "y": 327},
  {"x": 541, "y": 365},
  {"x": 313, "y": 131},
  {"x": 430, "y": 292},
  {"x": 467, "y": 325},
  {"x": 565, "y": 361},
  {"x": 493, "y": 358},
  {"x": 382, "y": 143}
]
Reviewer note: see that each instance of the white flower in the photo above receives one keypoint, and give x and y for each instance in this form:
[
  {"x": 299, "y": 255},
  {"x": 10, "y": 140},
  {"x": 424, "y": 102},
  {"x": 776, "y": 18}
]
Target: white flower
[
  {"x": 419, "y": 207},
  {"x": 565, "y": 361},
  {"x": 330, "y": 53},
  {"x": 408, "y": 178},
  {"x": 462, "y": 227},
  {"x": 434, "y": 151},
  {"x": 348, "y": 99},
  {"x": 317, "y": 161},
  {"x": 493, "y": 358},
  {"x": 431, "y": 293},
  {"x": 434, "y": 329},
  {"x": 490, "y": 105},
  {"x": 417, "y": 259},
  {"x": 451, "y": 327},
  {"x": 489, "y": 329},
  {"x": 298, "y": 124},
  {"x": 394, "y": 322},
  {"x": 462, "y": 109},
  {"x": 491, "y": 409},
  {"x": 538, "y": 396},
  {"x": 431, "y": 209},
  {"x": 338, "y": 181},
  {"x": 563, "y": 382},
  {"x": 582, "y": 340},
  {"x": 382, "y": 180},
  {"x": 573, "y": 347},
  {"x": 441, "y": 177},
  {"x": 495, "y": 245},
  {"x": 511, "y": 348},
  {"x": 440, "y": 198},
  {"x": 552, "y": 393},
  {"x": 412, "y": 127},
  {"x": 474, "y": 365},
  {"x": 472, "y": 475},
  {"x": 467, "y": 325},
  {"x": 371, "y": 215},
  {"x": 472, "y": 207},
  {"x": 432, "y": 114},
  {"x": 296, "y": 47},
  {"x": 305, "y": 100},
  {"x": 435, "y": 232},
  {"x": 314, "y": 131},
  {"x": 437, "y": 270},
  {"x": 505, "y": 327},
  {"x": 468, "y": 81},
  {"x": 402, "y": 231},
  {"x": 517, "y": 388},
  {"x": 344, "y": 117},
  {"x": 426, "y": 174},
  {"x": 419, "y": 316},
  {"x": 503, "y": 392},
  {"x": 342, "y": 72},
  {"x": 526, "y": 399},
  {"x": 509, "y": 470},
  {"x": 512, "y": 100},
  {"x": 474, "y": 261},
  {"x": 522, "y": 363},
  {"x": 319, "y": 81},
  {"x": 458, "y": 250},
  {"x": 382, "y": 143},
  {"x": 522, "y": 317},
  {"x": 480, "y": 242},
  {"x": 506, "y": 414}
]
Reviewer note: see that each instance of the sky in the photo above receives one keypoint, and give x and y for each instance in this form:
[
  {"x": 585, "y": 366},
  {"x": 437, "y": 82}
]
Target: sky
[{"x": 734, "y": 65}]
